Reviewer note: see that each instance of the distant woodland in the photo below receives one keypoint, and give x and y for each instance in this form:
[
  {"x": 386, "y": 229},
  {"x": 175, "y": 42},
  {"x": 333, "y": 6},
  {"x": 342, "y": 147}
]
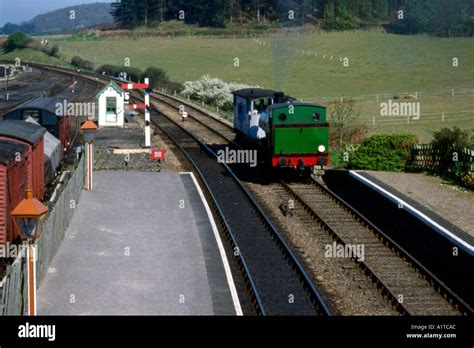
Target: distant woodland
[{"x": 438, "y": 17}]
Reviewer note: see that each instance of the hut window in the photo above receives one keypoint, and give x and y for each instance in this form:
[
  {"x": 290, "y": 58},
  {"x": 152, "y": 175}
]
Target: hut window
[{"x": 111, "y": 104}]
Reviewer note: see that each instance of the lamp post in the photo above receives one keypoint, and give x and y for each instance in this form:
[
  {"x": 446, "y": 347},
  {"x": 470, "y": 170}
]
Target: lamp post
[
  {"x": 28, "y": 217},
  {"x": 88, "y": 131}
]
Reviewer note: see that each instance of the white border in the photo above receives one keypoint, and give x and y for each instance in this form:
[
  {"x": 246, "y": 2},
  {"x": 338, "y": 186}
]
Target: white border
[
  {"x": 228, "y": 273},
  {"x": 440, "y": 229}
]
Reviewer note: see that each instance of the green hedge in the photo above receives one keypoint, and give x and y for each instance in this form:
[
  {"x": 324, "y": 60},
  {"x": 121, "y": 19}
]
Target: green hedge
[
  {"x": 340, "y": 24},
  {"x": 157, "y": 76},
  {"x": 159, "y": 79},
  {"x": 82, "y": 63},
  {"x": 388, "y": 152},
  {"x": 114, "y": 70}
]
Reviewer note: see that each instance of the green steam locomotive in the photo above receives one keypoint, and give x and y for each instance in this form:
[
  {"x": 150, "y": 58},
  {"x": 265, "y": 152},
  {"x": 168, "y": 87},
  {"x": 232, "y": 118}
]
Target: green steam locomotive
[{"x": 289, "y": 134}]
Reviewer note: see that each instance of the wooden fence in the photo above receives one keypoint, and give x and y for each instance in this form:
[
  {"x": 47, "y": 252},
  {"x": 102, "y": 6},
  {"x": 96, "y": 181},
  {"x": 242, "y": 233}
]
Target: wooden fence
[
  {"x": 13, "y": 286},
  {"x": 428, "y": 157}
]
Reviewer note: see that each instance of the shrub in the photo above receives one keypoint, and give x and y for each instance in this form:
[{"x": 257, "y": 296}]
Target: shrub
[
  {"x": 449, "y": 138},
  {"x": 340, "y": 23},
  {"x": 263, "y": 25},
  {"x": 343, "y": 127},
  {"x": 82, "y": 63},
  {"x": 467, "y": 179},
  {"x": 107, "y": 69},
  {"x": 156, "y": 75},
  {"x": 134, "y": 74},
  {"x": 16, "y": 40},
  {"x": 356, "y": 134},
  {"x": 159, "y": 79},
  {"x": 212, "y": 91},
  {"x": 446, "y": 142},
  {"x": 388, "y": 152},
  {"x": 54, "y": 51}
]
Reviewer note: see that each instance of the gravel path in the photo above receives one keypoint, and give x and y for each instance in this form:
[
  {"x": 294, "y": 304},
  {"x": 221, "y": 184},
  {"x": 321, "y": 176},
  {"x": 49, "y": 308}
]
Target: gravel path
[{"x": 451, "y": 202}]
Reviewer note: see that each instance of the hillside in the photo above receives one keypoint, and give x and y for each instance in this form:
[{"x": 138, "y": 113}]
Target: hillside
[{"x": 64, "y": 20}]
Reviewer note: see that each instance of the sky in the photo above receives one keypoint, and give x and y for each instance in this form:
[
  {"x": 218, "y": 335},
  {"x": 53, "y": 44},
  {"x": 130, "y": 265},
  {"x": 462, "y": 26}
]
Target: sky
[{"x": 16, "y": 11}]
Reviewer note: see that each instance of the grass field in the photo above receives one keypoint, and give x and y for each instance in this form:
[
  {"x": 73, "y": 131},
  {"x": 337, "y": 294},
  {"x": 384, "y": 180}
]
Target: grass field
[
  {"x": 301, "y": 65},
  {"x": 30, "y": 55}
]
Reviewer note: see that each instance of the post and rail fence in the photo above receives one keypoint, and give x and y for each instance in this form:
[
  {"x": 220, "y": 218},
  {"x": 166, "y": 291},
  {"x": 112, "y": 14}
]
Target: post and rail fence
[{"x": 431, "y": 158}]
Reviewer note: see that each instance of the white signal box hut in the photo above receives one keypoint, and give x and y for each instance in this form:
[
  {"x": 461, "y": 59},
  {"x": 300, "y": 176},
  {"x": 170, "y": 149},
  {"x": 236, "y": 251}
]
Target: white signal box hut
[{"x": 110, "y": 102}]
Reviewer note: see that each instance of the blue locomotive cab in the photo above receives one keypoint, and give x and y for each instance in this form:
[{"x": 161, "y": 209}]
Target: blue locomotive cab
[{"x": 250, "y": 105}]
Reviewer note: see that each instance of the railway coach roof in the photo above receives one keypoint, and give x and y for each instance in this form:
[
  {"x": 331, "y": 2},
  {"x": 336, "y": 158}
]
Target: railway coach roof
[
  {"x": 9, "y": 151},
  {"x": 47, "y": 104},
  {"x": 255, "y": 93},
  {"x": 21, "y": 130}
]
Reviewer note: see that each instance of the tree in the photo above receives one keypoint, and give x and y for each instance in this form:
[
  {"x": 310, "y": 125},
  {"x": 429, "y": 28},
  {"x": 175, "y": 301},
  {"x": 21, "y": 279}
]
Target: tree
[
  {"x": 120, "y": 11},
  {"x": 440, "y": 17},
  {"x": 452, "y": 137},
  {"x": 342, "y": 119},
  {"x": 16, "y": 40},
  {"x": 448, "y": 143},
  {"x": 54, "y": 51}
]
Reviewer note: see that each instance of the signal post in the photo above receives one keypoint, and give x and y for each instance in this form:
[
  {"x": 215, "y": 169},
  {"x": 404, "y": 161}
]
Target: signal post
[{"x": 145, "y": 106}]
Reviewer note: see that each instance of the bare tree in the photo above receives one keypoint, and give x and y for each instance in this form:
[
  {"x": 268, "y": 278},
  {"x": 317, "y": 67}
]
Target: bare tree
[{"x": 342, "y": 118}]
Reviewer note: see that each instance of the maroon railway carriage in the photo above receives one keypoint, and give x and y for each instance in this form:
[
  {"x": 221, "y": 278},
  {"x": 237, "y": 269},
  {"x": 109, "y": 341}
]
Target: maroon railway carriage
[
  {"x": 13, "y": 183},
  {"x": 32, "y": 136}
]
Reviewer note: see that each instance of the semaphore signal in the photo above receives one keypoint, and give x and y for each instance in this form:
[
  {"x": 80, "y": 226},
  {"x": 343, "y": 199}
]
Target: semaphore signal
[
  {"x": 145, "y": 106},
  {"x": 138, "y": 106}
]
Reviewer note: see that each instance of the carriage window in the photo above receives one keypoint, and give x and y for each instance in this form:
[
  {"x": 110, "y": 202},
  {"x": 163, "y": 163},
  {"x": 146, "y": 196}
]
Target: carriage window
[
  {"x": 316, "y": 116},
  {"x": 111, "y": 103},
  {"x": 35, "y": 114}
]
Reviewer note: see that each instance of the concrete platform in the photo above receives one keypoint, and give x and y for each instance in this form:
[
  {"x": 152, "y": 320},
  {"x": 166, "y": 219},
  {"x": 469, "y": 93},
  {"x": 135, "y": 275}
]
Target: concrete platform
[
  {"x": 460, "y": 237},
  {"x": 140, "y": 243}
]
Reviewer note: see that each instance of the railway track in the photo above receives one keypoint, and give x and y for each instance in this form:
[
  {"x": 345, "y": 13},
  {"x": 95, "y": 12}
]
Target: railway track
[
  {"x": 410, "y": 288},
  {"x": 88, "y": 87},
  {"x": 215, "y": 125},
  {"x": 404, "y": 286},
  {"x": 278, "y": 283}
]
